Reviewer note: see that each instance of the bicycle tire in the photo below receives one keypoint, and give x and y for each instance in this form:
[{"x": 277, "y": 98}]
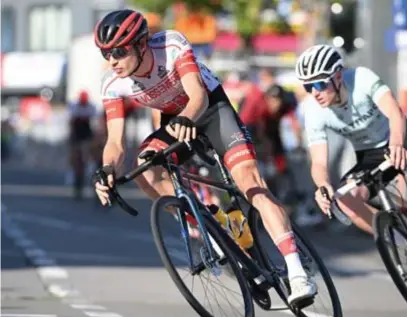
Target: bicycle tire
[
  {"x": 158, "y": 206},
  {"x": 381, "y": 222},
  {"x": 282, "y": 289}
]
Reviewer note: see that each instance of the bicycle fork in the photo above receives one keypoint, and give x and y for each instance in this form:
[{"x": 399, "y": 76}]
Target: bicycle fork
[{"x": 210, "y": 248}]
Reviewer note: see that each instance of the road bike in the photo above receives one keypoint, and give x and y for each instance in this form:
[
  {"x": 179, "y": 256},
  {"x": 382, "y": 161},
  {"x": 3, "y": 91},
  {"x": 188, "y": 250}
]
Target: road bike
[
  {"x": 219, "y": 268},
  {"x": 389, "y": 223}
]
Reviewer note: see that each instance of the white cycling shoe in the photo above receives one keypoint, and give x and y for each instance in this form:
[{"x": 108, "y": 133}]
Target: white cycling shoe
[{"x": 302, "y": 288}]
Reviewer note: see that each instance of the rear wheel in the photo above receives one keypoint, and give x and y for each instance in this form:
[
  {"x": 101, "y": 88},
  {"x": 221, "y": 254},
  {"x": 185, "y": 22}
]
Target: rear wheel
[
  {"x": 210, "y": 294},
  {"x": 326, "y": 302},
  {"x": 391, "y": 240}
]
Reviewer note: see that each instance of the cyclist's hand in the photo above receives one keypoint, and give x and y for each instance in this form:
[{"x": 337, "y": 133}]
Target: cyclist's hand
[
  {"x": 322, "y": 201},
  {"x": 102, "y": 189},
  {"x": 181, "y": 128},
  {"x": 398, "y": 156}
]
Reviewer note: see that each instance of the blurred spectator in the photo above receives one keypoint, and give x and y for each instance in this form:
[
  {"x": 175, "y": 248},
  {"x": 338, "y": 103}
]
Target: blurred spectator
[
  {"x": 82, "y": 112},
  {"x": 7, "y": 132},
  {"x": 277, "y": 106},
  {"x": 267, "y": 78}
]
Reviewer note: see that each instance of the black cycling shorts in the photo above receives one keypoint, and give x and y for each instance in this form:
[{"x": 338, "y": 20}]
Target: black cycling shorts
[{"x": 223, "y": 127}]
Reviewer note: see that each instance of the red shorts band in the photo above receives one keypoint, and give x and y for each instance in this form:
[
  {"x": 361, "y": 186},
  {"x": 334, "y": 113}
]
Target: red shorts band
[
  {"x": 238, "y": 154},
  {"x": 157, "y": 145}
]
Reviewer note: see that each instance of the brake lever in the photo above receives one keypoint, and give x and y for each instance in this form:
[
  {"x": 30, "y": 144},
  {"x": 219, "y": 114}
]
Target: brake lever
[
  {"x": 111, "y": 199},
  {"x": 325, "y": 194}
]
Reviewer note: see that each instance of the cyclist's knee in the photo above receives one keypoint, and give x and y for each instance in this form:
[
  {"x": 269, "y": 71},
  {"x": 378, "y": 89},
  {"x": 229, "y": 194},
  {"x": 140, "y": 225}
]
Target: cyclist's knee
[
  {"x": 247, "y": 175},
  {"x": 248, "y": 179},
  {"x": 150, "y": 178}
]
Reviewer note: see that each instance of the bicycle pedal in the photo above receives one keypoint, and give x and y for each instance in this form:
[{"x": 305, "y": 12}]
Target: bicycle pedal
[
  {"x": 303, "y": 303},
  {"x": 261, "y": 297},
  {"x": 263, "y": 285}
]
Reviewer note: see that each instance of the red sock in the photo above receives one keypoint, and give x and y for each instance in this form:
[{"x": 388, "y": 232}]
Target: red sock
[{"x": 286, "y": 243}]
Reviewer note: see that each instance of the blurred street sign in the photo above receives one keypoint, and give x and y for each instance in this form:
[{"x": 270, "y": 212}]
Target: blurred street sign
[{"x": 400, "y": 14}]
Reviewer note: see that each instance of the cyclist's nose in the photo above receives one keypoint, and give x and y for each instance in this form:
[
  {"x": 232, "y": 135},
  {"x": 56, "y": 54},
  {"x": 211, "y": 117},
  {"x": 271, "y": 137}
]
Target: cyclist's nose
[
  {"x": 315, "y": 92},
  {"x": 113, "y": 62}
]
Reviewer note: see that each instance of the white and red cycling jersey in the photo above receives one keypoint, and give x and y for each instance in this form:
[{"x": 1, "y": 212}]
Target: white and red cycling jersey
[{"x": 161, "y": 88}]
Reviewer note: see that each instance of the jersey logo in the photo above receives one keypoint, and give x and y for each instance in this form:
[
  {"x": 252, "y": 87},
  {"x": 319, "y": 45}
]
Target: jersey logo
[
  {"x": 177, "y": 37},
  {"x": 137, "y": 86},
  {"x": 162, "y": 71}
]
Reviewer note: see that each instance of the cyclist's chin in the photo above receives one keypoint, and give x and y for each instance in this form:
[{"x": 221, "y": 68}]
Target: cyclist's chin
[
  {"x": 323, "y": 103},
  {"x": 123, "y": 73}
]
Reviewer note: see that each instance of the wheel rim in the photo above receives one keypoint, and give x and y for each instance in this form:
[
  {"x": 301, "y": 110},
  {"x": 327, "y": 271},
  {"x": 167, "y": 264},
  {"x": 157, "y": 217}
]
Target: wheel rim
[{"x": 394, "y": 240}]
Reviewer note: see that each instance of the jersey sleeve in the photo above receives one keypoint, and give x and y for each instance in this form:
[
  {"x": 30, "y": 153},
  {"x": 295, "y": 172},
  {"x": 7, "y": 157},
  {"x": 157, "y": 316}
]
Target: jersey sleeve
[
  {"x": 181, "y": 51},
  {"x": 113, "y": 102},
  {"x": 315, "y": 129},
  {"x": 370, "y": 83}
]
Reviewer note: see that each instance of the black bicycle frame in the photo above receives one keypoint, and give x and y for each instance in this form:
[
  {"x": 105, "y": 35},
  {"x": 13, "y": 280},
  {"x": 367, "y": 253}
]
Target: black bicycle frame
[{"x": 251, "y": 269}]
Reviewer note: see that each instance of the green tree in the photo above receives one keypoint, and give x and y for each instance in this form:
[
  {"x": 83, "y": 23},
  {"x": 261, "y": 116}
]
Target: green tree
[{"x": 246, "y": 12}]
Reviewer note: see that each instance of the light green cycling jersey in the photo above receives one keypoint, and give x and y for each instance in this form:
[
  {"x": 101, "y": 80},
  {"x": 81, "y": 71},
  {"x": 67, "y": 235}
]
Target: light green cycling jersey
[{"x": 360, "y": 120}]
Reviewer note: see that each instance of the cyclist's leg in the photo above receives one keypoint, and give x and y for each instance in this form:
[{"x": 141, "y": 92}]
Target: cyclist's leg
[
  {"x": 397, "y": 191},
  {"x": 156, "y": 182},
  {"x": 355, "y": 204},
  {"x": 238, "y": 153}
]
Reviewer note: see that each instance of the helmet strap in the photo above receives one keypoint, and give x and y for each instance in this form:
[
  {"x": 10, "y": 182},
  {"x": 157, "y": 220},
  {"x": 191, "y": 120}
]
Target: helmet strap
[
  {"x": 338, "y": 98},
  {"x": 140, "y": 56}
]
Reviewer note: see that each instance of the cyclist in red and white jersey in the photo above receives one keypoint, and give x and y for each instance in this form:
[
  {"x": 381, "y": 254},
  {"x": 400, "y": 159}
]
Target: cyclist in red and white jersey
[{"x": 161, "y": 72}]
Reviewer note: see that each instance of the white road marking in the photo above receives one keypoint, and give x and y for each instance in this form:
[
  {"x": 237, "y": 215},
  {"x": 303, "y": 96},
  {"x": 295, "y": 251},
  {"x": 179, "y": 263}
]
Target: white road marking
[
  {"x": 61, "y": 291},
  {"x": 89, "y": 229},
  {"x": 52, "y": 276},
  {"x": 52, "y": 272}
]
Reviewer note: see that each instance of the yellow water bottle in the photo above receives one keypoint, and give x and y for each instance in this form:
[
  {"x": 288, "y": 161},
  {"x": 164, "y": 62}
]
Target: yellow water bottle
[
  {"x": 220, "y": 215},
  {"x": 240, "y": 228}
]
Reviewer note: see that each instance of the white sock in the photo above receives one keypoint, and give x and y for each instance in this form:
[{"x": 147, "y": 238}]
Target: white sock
[{"x": 294, "y": 266}]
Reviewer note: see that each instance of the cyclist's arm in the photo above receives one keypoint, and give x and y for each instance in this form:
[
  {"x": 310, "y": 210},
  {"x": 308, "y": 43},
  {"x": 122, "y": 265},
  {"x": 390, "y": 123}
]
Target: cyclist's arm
[
  {"x": 198, "y": 97},
  {"x": 190, "y": 74},
  {"x": 319, "y": 164},
  {"x": 156, "y": 118},
  {"x": 317, "y": 138},
  {"x": 114, "y": 150},
  {"x": 397, "y": 120}
]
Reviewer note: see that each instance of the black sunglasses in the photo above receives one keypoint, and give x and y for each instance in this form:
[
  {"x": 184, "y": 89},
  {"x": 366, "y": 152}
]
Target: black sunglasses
[
  {"x": 319, "y": 85},
  {"x": 116, "y": 52}
]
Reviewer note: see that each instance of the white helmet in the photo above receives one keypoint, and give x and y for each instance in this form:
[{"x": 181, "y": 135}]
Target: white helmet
[{"x": 318, "y": 60}]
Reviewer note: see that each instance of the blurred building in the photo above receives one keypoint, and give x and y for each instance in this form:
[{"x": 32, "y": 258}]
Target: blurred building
[{"x": 35, "y": 38}]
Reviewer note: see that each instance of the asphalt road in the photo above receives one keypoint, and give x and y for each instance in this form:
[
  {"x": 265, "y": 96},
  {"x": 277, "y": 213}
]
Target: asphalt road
[{"x": 62, "y": 257}]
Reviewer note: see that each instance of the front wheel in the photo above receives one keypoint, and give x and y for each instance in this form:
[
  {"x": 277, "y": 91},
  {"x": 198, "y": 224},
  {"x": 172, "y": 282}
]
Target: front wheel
[
  {"x": 219, "y": 295},
  {"x": 391, "y": 240}
]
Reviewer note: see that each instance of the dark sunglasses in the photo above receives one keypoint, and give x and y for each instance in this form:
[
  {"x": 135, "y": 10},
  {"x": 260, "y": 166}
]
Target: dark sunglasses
[
  {"x": 116, "y": 52},
  {"x": 318, "y": 85}
]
